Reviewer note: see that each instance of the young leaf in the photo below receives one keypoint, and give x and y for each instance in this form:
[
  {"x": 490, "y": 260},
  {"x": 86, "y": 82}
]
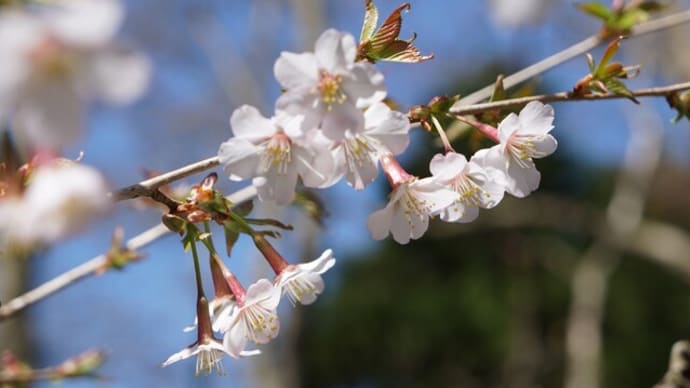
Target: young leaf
[
  {"x": 596, "y": 9},
  {"x": 371, "y": 18},
  {"x": 384, "y": 44}
]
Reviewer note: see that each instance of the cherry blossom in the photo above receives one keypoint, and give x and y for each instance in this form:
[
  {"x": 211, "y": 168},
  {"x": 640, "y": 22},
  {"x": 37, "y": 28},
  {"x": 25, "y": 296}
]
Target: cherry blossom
[
  {"x": 254, "y": 318},
  {"x": 274, "y": 150},
  {"x": 356, "y": 155},
  {"x": 302, "y": 282},
  {"x": 476, "y": 186},
  {"x": 327, "y": 86},
  {"x": 58, "y": 58},
  {"x": 207, "y": 348},
  {"x": 58, "y": 200},
  {"x": 522, "y": 137},
  {"x": 412, "y": 202}
]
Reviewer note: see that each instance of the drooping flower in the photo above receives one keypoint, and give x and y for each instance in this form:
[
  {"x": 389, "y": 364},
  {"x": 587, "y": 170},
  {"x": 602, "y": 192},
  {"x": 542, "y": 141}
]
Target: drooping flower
[
  {"x": 207, "y": 348},
  {"x": 57, "y": 59},
  {"x": 303, "y": 282},
  {"x": 253, "y": 319},
  {"x": 327, "y": 86},
  {"x": 522, "y": 137},
  {"x": 412, "y": 202},
  {"x": 357, "y": 154},
  {"x": 274, "y": 150},
  {"x": 476, "y": 186}
]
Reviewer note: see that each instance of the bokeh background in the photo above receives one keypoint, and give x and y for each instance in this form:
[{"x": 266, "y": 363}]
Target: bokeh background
[{"x": 587, "y": 277}]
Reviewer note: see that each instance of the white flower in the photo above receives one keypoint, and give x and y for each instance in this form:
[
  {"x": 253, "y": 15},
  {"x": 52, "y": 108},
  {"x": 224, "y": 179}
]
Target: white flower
[
  {"x": 58, "y": 200},
  {"x": 272, "y": 149},
  {"x": 407, "y": 214},
  {"x": 357, "y": 154},
  {"x": 522, "y": 139},
  {"x": 302, "y": 282},
  {"x": 476, "y": 187},
  {"x": 254, "y": 318},
  {"x": 209, "y": 354},
  {"x": 218, "y": 307},
  {"x": 59, "y": 58},
  {"x": 327, "y": 86},
  {"x": 511, "y": 13}
]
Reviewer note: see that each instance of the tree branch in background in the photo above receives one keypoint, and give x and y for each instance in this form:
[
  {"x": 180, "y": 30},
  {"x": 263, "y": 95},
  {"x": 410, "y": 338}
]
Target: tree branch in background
[
  {"x": 571, "y": 52},
  {"x": 661, "y": 91},
  {"x": 147, "y": 187}
]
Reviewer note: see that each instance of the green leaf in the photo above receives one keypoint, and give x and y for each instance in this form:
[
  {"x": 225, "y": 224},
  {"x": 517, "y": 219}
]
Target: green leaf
[
  {"x": 596, "y": 9},
  {"x": 232, "y": 234},
  {"x": 617, "y": 87},
  {"x": 243, "y": 209},
  {"x": 371, "y": 18},
  {"x": 610, "y": 51},
  {"x": 628, "y": 19}
]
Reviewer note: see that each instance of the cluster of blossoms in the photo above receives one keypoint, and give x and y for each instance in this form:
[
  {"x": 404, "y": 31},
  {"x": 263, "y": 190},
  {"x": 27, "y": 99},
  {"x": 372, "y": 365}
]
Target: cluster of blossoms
[
  {"x": 332, "y": 122},
  {"x": 241, "y": 315},
  {"x": 45, "y": 201},
  {"x": 56, "y": 57}
]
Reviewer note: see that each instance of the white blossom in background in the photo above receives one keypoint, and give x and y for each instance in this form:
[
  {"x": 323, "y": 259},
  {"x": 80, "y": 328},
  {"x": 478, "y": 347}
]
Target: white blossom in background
[
  {"x": 302, "y": 282},
  {"x": 254, "y": 319},
  {"x": 327, "y": 86},
  {"x": 59, "y": 200},
  {"x": 514, "y": 13},
  {"x": 522, "y": 137},
  {"x": 412, "y": 202},
  {"x": 276, "y": 151},
  {"x": 357, "y": 154},
  {"x": 476, "y": 186},
  {"x": 57, "y": 58}
]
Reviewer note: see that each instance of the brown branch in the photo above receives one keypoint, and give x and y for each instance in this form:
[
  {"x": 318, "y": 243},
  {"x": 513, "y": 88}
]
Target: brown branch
[
  {"x": 147, "y": 187},
  {"x": 94, "y": 265},
  {"x": 567, "y": 96},
  {"x": 571, "y": 52}
]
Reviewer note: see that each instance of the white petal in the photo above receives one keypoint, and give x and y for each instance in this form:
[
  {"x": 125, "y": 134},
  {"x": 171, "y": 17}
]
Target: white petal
[
  {"x": 49, "y": 114},
  {"x": 181, "y": 355},
  {"x": 248, "y": 123},
  {"x": 85, "y": 23},
  {"x": 507, "y": 127},
  {"x": 341, "y": 118},
  {"x": 119, "y": 76},
  {"x": 545, "y": 145},
  {"x": 401, "y": 224},
  {"x": 296, "y": 70},
  {"x": 447, "y": 167},
  {"x": 365, "y": 85},
  {"x": 522, "y": 181},
  {"x": 239, "y": 158},
  {"x": 379, "y": 223},
  {"x": 235, "y": 339},
  {"x": 335, "y": 51},
  {"x": 320, "y": 265},
  {"x": 536, "y": 119},
  {"x": 279, "y": 188},
  {"x": 389, "y": 127},
  {"x": 263, "y": 292}
]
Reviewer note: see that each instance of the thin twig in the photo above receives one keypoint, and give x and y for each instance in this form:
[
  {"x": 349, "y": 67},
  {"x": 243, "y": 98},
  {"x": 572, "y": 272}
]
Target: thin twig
[
  {"x": 567, "y": 96},
  {"x": 146, "y": 187},
  {"x": 92, "y": 266},
  {"x": 571, "y": 52}
]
